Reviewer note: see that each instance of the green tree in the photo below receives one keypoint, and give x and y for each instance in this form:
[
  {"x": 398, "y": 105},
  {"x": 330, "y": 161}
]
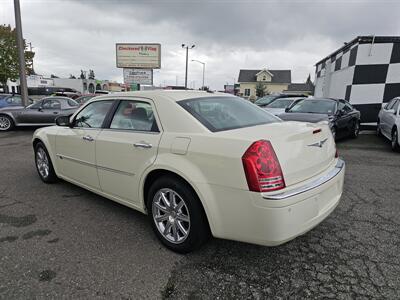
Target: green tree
[
  {"x": 261, "y": 90},
  {"x": 9, "y": 56}
]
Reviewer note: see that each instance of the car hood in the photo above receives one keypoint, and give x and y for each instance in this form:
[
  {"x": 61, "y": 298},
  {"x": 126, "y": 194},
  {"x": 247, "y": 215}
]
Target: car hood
[{"x": 304, "y": 117}]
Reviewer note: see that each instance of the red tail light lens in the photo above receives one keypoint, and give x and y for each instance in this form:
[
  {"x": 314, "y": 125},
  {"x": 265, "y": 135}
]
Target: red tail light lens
[
  {"x": 262, "y": 168},
  {"x": 336, "y": 153}
]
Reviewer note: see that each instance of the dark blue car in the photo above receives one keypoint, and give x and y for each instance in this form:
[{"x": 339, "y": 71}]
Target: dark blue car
[{"x": 7, "y": 100}]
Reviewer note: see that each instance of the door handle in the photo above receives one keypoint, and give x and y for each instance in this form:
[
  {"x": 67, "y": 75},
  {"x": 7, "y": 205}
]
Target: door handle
[
  {"x": 88, "y": 138},
  {"x": 56, "y": 113},
  {"x": 143, "y": 145}
]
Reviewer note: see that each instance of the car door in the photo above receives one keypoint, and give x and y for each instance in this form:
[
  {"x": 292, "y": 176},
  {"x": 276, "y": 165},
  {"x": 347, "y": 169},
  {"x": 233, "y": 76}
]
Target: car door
[
  {"x": 385, "y": 118},
  {"x": 127, "y": 148},
  {"x": 75, "y": 147}
]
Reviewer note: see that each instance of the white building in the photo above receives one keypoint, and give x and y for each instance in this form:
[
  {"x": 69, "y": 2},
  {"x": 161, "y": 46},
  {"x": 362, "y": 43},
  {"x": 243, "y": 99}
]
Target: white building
[
  {"x": 365, "y": 71},
  {"x": 84, "y": 86}
]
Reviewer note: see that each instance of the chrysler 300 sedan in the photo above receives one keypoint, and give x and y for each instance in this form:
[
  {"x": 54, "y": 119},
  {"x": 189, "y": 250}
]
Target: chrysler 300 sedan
[{"x": 198, "y": 164}]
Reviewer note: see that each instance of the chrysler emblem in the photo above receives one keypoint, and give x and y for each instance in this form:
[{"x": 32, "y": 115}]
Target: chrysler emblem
[{"x": 319, "y": 144}]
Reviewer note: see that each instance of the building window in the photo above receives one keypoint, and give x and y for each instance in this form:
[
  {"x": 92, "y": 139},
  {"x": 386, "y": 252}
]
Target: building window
[
  {"x": 246, "y": 92},
  {"x": 264, "y": 78}
]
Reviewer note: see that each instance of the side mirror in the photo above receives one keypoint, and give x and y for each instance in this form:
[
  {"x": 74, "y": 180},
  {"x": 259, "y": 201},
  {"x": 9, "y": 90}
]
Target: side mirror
[
  {"x": 63, "y": 121},
  {"x": 287, "y": 109}
]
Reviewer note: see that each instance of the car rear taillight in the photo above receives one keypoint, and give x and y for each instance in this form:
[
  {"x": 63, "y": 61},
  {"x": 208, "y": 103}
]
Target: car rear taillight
[
  {"x": 262, "y": 168},
  {"x": 336, "y": 153}
]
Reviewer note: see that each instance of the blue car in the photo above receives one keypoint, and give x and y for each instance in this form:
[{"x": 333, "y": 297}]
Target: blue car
[{"x": 7, "y": 100}]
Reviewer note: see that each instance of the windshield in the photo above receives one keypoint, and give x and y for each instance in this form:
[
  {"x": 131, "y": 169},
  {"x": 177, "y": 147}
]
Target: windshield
[
  {"x": 315, "y": 106},
  {"x": 281, "y": 103},
  {"x": 224, "y": 113},
  {"x": 265, "y": 100}
]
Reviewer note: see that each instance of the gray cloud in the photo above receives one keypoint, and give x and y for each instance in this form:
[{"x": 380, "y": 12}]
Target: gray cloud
[{"x": 229, "y": 35}]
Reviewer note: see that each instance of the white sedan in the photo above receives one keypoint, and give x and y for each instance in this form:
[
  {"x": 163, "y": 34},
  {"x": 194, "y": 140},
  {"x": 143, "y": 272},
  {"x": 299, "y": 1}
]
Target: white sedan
[{"x": 197, "y": 163}]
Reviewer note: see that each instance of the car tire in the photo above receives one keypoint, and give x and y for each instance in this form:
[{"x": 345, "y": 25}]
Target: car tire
[
  {"x": 378, "y": 129},
  {"x": 395, "y": 140},
  {"x": 180, "y": 224},
  {"x": 355, "y": 130},
  {"x": 6, "y": 123},
  {"x": 43, "y": 163}
]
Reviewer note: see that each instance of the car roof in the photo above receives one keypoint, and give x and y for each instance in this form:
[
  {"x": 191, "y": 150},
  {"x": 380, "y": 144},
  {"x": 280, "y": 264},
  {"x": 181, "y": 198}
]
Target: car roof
[{"x": 171, "y": 95}]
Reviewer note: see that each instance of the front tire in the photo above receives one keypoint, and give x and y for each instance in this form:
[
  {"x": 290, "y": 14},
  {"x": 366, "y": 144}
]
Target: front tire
[
  {"x": 6, "y": 123},
  {"x": 176, "y": 215},
  {"x": 356, "y": 130},
  {"x": 43, "y": 163},
  {"x": 378, "y": 129},
  {"x": 395, "y": 140}
]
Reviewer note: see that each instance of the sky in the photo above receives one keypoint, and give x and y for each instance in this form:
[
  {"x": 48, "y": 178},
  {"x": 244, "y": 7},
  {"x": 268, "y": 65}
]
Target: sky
[{"x": 70, "y": 35}]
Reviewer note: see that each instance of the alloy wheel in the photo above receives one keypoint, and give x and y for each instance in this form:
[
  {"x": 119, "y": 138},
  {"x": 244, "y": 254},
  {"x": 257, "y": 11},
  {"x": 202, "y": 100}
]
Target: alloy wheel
[
  {"x": 5, "y": 123},
  {"x": 171, "y": 215},
  {"x": 42, "y": 162}
]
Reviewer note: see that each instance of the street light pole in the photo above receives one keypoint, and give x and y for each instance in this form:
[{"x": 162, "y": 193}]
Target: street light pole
[
  {"x": 204, "y": 70},
  {"x": 187, "y": 58},
  {"x": 21, "y": 54}
]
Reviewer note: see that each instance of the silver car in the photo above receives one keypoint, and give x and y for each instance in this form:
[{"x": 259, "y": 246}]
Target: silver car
[
  {"x": 41, "y": 113},
  {"x": 389, "y": 122}
]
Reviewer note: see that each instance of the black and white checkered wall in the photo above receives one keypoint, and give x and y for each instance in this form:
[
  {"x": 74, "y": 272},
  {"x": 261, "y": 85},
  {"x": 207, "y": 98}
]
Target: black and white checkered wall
[{"x": 364, "y": 73}]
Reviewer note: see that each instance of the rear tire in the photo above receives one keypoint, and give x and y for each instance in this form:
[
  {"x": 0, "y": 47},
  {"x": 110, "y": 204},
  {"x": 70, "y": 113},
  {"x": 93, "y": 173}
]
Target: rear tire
[
  {"x": 43, "y": 163},
  {"x": 6, "y": 123},
  {"x": 176, "y": 215},
  {"x": 395, "y": 140}
]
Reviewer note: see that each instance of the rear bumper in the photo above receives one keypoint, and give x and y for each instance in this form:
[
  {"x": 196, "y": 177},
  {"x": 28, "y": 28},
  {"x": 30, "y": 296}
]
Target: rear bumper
[{"x": 273, "y": 219}]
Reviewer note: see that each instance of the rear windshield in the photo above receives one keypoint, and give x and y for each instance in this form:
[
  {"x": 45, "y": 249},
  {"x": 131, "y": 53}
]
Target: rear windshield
[{"x": 224, "y": 113}]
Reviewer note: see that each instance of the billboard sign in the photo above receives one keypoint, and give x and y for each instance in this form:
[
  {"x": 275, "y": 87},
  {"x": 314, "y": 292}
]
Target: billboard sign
[
  {"x": 138, "y": 76},
  {"x": 140, "y": 56}
]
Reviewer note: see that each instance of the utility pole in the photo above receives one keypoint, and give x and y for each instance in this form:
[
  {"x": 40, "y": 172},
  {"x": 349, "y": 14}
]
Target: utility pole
[
  {"x": 204, "y": 69},
  {"x": 187, "y": 58},
  {"x": 21, "y": 54}
]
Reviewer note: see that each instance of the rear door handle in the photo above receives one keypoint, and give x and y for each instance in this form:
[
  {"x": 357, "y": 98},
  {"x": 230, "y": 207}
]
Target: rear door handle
[
  {"x": 88, "y": 138},
  {"x": 143, "y": 145}
]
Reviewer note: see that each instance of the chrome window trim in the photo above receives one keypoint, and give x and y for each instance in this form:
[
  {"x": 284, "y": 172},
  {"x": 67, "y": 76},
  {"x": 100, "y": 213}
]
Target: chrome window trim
[
  {"x": 309, "y": 186},
  {"x": 131, "y": 130}
]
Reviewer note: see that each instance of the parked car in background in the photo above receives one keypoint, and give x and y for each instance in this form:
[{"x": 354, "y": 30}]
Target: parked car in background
[
  {"x": 342, "y": 117},
  {"x": 41, "y": 113},
  {"x": 7, "y": 100},
  {"x": 71, "y": 95},
  {"x": 389, "y": 122},
  {"x": 264, "y": 101},
  {"x": 197, "y": 163},
  {"x": 84, "y": 98},
  {"x": 279, "y": 105}
]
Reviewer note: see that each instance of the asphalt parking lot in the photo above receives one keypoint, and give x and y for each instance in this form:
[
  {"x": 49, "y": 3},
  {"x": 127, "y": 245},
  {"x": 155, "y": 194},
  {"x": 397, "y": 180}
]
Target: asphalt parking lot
[{"x": 60, "y": 241}]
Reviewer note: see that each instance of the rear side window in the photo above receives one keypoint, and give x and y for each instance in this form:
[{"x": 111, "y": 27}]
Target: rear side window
[
  {"x": 225, "y": 113},
  {"x": 134, "y": 115},
  {"x": 93, "y": 115}
]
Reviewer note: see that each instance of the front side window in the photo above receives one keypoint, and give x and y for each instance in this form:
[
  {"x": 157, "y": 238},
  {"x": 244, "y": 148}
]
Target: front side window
[
  {"x": 390, "y": 104},
  {"x": 396, "y": 106},
  {"x": 134, "y": 115},
  {"x": 93, "y": 115},
  {"x": 225, "y": 113}
]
